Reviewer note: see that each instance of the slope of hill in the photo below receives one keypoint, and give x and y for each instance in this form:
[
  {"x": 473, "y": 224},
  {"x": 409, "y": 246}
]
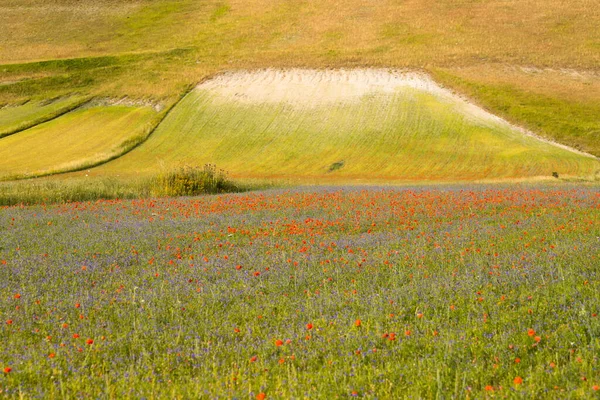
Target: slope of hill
[
  {"x": 75, "y": 140},
  {"x": 304, "y": 125},
  {"x": 17, "y": 118},
  {"x": 534, "y": 63}
]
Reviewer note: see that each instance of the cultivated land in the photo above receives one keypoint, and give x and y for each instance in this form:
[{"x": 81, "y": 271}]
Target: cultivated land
[
  {"x": 17, "y": 118},
  {"x": 435, "y": 290},
  {"x": 76, "y": 140},
  {"x": 322, "y": 293},
  {"x": 533, "y": 63},
  {"x": 345, "y": 125}
]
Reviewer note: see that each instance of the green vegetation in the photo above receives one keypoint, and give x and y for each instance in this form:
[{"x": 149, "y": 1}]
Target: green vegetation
[
  {"x": 191, "y": 181},
  {"x": 18, "y": 118},
  {"x": 154, "y": 49},
  {"x": 80, "y": 139},
  {"x": 406, "y": 136},
  {"x": 182, "y": 181},
  {"x": 447, "y": 292},
  {"x": 56, "y": 190},
  {"x": 457, "y": 291},
  {"x": 564, "y": 121}
]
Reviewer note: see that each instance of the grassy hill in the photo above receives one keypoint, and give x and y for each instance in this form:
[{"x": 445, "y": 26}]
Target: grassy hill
[
  {"x": 359, "y": 125},
  {"x": 534, "y": 63}
]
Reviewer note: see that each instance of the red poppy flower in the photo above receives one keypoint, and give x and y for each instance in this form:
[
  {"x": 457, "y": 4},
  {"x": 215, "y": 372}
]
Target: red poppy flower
[{"x": 518, "y": 380}]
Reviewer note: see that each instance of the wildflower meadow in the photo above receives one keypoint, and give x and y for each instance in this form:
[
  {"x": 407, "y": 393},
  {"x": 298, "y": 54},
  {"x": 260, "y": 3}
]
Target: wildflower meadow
[{"x": 369, "y": 292}]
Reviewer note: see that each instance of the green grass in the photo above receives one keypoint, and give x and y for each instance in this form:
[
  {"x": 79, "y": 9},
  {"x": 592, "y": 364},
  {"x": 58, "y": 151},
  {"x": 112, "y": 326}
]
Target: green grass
[
  {"x": 79, "y": 139},
  {"x": 458, "y": 290},
  {"x": 565, "y": 121},
  {"x": 95, "y": 76},
  {"x": 50, "y": 190},
  {"x": 407, "y": 136},
  {"x": 165, "y": 182},
  {"x": 18, "y": 118},
  {"x": 155, "y": 49}
]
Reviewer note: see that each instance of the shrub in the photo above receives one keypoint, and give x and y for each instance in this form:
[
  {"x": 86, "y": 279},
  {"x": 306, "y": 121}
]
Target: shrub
[{"x": 192, "y": 180}]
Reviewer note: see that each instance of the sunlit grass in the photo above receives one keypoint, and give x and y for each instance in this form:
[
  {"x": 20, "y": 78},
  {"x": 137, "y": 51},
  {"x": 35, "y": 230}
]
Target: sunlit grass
[
  {"x": 17, "y": 118},
  {"x": 406, "y": 136},
  {"x": 564, "y": 119},
  {"x": 75, "y": 140},
  {"x": 155, "y": 49}
]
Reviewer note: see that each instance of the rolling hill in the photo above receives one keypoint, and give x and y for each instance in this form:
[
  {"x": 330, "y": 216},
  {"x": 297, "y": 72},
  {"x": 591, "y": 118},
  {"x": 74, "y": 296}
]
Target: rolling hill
[
  {"x": 532, "y": 63},
  {"x": 344, "y": 125}
]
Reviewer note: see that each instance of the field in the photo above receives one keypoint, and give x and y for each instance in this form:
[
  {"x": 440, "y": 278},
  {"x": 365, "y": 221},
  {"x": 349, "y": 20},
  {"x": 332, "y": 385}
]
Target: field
[
  {"x": 417, "y": 206},
  {"x": 534, "y": 63},
  {"x": 21, "y": 117},
  {"x": 79, "y": 139},
  {"x": 458, "y": 291},
  {"x": 332, "y": 126}
]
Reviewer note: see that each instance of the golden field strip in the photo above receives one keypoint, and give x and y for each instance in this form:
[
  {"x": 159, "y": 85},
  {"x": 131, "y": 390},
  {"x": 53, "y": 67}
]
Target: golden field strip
[{"x": 73, "y": 141}]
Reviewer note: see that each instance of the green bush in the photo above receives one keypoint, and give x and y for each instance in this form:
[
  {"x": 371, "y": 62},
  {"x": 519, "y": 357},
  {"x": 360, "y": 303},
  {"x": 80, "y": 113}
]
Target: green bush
[{"x": 191, "y": 180}]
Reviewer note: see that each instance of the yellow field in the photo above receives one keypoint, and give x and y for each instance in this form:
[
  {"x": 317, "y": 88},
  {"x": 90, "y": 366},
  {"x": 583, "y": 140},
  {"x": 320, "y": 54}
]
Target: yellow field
[
  {"x": 17, "y": 118},
  {"x": 75, "y": 140},
  {"x": 239, "y": 32}
]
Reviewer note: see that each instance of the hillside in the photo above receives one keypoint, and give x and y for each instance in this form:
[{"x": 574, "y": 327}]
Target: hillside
[
  {"x": 533, "y": 63},
  {"x": 353, "y": 125},
  {"x": 78, "y": 139}
]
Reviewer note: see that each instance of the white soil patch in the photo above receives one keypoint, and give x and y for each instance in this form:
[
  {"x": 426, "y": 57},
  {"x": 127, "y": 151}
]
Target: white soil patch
[
  {"x": 126, "y": 101},
  {"x": 307, "y": 88},
  {"x": 315, "y": 88}
]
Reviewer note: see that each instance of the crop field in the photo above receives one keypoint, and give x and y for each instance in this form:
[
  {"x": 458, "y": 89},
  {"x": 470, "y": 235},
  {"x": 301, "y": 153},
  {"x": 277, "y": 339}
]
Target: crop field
[
  {"x": 18, "y": 118},
  {"x": 463, "y": 291},
  {"x": 75, "y": 140},
  {"x": 369, "y": 125}
]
